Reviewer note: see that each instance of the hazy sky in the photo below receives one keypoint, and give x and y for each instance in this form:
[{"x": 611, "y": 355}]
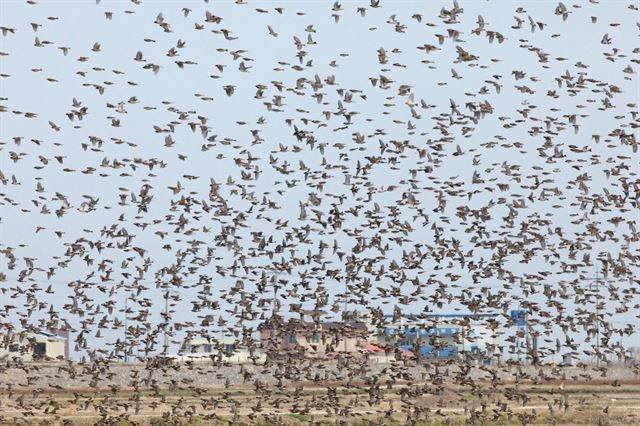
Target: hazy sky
[{"x": 44, "y": 81}]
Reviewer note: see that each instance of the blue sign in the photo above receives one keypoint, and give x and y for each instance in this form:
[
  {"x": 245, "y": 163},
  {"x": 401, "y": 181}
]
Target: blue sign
[{"x": 519, "y": 316}]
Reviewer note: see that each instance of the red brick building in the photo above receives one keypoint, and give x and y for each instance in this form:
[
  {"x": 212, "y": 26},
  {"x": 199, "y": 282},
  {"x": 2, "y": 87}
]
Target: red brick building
[{"x": 323, "y": 340}]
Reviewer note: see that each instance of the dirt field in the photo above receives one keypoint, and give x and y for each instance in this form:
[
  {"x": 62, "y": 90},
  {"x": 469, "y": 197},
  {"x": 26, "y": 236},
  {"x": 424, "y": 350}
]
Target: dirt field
[{"x": 30, "y": 398}]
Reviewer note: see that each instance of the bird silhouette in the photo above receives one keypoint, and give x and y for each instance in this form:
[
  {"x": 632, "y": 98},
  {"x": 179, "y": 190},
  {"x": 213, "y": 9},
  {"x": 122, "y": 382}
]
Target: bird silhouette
[{"x": 368, "y": 212}]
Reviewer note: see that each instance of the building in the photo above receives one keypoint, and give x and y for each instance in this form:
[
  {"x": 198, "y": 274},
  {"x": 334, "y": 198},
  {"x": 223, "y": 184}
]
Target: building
[
  {"x": 443, "y": 336},
  {"x": 224, "y": 351},
  {"x": 375, "y": 353},
  {"x": 30, "y": 346},
  {"x": 312, "y": 339},
  {"x": 631, "y": 356}
]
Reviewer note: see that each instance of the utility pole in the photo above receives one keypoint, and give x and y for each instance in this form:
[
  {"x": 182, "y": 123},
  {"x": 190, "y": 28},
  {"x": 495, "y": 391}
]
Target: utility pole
[
  {"x": 518, "y": 345},
  {"x": 346, "y": 301},
  {"x": 275, "y": 298},
  {"x": 274, "y": 302},
  {"x": 166, "y": 318},
  {"x": 526, "y": 336},
  {"x": 463, "y": 335},
  {"x": 597, "y": 313},
  {"x": 597, "y": 319},
  {"x": 598, "y": 281},
  {"x": 126, "y": 345},
  {"x": 274, "y": 310}
]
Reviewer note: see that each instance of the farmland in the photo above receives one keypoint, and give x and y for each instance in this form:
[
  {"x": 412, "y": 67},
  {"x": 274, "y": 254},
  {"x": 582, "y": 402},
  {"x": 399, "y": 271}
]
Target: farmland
[{"x": 255, "y": 396}]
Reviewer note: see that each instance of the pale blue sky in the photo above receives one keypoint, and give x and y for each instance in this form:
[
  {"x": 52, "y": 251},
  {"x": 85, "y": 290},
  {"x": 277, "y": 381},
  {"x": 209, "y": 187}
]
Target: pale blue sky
[{"x": 81, "y": 24}]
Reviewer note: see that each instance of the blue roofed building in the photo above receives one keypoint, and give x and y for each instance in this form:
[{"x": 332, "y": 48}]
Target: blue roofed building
[{"x": 443, "y": 336}]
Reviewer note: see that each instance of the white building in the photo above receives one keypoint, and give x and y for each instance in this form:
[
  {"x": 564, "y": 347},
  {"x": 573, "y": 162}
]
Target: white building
[
  {"x": 226, "y": 351},
  {"x": 28, "y": 346}
]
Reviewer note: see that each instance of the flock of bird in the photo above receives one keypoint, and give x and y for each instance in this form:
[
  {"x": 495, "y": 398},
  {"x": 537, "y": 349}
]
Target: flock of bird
[{"x": 176, "y": 171}]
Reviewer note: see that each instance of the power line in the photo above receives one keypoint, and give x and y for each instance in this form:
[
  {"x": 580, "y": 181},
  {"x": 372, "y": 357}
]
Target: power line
[{"x": 61, "y": 281}]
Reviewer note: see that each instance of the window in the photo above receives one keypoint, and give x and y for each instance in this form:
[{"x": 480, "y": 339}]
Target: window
[
  {"x": 207, "y": 349},
  {"x": 40, "y": 349},
  {"x": 315, "y": 338},
  {"x": 14, "y": 348},
  {"x": 228, "y": 348},
  {"x": 291, "y": 338}
]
